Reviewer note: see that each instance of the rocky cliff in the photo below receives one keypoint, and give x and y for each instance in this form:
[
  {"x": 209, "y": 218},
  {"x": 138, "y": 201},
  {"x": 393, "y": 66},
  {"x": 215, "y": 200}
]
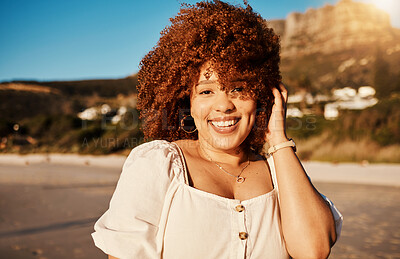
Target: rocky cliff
[
  {"x": 334, "y": 28},
  {"x": 336, "y": 46}
]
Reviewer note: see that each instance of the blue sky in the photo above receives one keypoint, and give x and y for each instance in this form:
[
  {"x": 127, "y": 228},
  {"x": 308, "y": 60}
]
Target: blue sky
[{"x": 87, "y": 39}]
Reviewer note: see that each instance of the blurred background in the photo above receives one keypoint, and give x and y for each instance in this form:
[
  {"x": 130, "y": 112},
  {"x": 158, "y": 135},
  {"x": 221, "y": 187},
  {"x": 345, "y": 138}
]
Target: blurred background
[{"x": 68, "y": 76}]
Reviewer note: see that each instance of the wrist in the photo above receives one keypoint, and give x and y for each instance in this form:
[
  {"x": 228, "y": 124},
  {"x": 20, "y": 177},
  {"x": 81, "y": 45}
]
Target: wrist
[
  {"x": 277, "y": 140},
  {"x": 281, "y": 145}
]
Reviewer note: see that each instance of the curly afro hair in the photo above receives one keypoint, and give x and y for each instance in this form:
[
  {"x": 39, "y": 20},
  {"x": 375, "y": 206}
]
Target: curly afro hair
[{"x": 238, "y": 43}]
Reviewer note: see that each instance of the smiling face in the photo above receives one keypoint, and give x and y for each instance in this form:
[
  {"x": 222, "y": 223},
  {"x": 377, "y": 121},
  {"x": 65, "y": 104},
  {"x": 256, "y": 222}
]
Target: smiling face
[{"x": 224, "y": 119}]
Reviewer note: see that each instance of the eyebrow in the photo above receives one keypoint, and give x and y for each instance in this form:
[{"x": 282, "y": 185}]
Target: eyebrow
[{"x": 207, "y": 82}]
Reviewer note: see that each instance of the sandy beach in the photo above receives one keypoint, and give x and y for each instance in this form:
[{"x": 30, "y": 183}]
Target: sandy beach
[
  {"x": 49, "y": 203},
  {"x": 352, "y": 173}
]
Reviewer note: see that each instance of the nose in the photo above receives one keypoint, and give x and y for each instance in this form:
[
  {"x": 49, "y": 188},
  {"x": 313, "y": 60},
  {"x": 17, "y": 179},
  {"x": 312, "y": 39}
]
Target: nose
[{"x": 223, "y": 103}]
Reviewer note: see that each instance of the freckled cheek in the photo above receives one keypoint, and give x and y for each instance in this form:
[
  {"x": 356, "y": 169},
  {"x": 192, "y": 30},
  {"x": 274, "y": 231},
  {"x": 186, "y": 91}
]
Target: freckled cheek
[
  {"x": 249, "y": 110},
  {"x": 200, "y": 112}
]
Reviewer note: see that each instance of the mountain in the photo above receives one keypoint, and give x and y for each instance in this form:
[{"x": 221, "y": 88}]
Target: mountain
[
  {"x": 24, "y": 99},
  {"x": 348, "y": 44},
  {"x": 336, "y": 46}
]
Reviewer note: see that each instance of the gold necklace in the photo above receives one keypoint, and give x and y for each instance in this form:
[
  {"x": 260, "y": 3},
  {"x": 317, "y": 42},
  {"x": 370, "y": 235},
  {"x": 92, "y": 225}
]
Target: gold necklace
[{"x": 239, "y": 179}]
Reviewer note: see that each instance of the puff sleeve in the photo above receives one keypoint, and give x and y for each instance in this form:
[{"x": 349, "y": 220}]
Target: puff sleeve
[{"x": 130, "y": 227}]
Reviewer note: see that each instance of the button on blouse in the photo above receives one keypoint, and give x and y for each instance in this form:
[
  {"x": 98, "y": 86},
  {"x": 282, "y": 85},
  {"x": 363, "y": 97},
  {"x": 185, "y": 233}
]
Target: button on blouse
[
  {"x": 154, "y": 213},
  {"x": 239, "y": 208}
]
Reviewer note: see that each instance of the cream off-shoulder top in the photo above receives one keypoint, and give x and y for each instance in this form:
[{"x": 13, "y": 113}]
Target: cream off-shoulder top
[{"x": 154, "y": 213}]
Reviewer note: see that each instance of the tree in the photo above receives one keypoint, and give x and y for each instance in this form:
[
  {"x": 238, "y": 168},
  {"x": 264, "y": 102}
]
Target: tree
[{"x": 384, "y": 82}]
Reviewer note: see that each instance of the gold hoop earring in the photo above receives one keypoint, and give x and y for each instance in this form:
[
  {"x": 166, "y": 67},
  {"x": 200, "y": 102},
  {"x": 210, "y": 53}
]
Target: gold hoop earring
[{"x": 182, "y": 126}]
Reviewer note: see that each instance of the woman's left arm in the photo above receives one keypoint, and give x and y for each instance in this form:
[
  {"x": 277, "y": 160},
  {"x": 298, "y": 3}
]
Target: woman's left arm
[{"x": 307, "y": 222}]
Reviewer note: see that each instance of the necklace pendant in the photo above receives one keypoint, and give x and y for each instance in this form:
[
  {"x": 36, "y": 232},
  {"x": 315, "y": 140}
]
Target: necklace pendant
[{"x": 240, "y": 179}]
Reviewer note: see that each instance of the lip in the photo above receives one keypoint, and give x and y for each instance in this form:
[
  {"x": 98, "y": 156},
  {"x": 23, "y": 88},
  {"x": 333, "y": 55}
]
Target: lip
[{"x": 224, "y": 130}]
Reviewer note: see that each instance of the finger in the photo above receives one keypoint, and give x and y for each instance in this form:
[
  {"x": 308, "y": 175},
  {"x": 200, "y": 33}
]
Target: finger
[
  {"x": 277, "y": 96},
  {"x": 280, "y": 97},
  {"x": 284, "y": 91},
  {"x": 282, "y": 87}
]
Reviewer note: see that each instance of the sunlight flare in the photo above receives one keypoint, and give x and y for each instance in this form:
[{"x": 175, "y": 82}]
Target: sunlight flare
[{"x": 386, "y": 5}]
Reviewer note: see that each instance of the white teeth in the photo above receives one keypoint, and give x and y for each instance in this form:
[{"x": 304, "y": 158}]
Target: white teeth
[{"x": 223, "y": 123}]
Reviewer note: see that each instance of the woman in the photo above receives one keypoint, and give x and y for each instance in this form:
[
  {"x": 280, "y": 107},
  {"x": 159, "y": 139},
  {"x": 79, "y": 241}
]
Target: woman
[{"x": 210, "y": 93}]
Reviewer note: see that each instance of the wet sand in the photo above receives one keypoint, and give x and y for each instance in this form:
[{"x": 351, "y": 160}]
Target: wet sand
[{"x": 48, "y": 206}]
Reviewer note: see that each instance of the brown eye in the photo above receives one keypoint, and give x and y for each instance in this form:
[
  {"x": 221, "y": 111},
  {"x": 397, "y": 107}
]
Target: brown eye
[
  {"x": 237, "y": 89},
  {"x": 205, "y": 92}
]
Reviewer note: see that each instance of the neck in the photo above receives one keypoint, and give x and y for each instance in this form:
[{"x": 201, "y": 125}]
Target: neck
[{"x": 235, "y": 156}]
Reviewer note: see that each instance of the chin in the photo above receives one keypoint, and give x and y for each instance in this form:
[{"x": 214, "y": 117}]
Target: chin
[
  {"x": 224, "y": 139},
  {"x": 225, "y": 143}
]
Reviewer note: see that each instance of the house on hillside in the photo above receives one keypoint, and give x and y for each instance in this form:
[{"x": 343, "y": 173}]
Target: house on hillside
[
  {"x": 349, "y": 99},
  {"x": 88, "y": 114}
]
